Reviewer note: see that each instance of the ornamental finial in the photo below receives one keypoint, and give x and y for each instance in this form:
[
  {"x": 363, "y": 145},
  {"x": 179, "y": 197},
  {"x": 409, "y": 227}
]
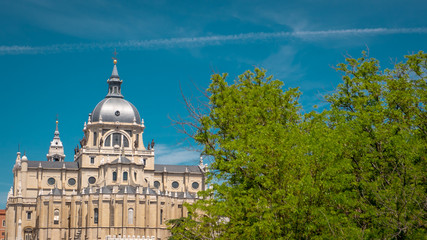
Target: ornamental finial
[{"x": 115, "y": 57}]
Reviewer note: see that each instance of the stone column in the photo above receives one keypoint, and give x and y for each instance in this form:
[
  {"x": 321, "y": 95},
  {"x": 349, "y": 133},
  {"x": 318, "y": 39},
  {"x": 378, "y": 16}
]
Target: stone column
[
  {"x": 19, "y": 234},
  {"x": 73, "y": 213},
  {"x": 125, "y": 222},
  {"x": 49, "y": 219}
]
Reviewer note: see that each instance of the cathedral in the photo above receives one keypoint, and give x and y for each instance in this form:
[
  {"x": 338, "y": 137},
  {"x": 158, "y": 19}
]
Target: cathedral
[{"x": 113, "y": 189}]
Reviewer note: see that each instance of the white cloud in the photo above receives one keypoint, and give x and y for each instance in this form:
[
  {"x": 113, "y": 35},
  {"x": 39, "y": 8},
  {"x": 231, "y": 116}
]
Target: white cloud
[
  {"x": 314, "y": 35},
  {"x": 191, "y": 42},
  {"x": 281, "y": 64},
  {"x": 167, "y": 154}
]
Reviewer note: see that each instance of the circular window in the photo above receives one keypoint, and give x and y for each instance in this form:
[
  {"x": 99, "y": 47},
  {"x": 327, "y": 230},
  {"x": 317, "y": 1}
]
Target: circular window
[
  {"x": 92, "y": 180},
  {"x": 156, "y": 184},
  {"x": 195, "y": 185},
  {"x": 117, "y": 113},
  {"x": 71, "y": 181},
  {"x": 51, "y": 181},
  {"x": 175, "y": 184}
]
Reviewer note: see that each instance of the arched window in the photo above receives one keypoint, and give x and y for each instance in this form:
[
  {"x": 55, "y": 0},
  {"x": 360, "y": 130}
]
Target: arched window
[
  {"x": 114, "y": 176},
  {"x": 107, "y": 141},
  {"x": 28, "y": 234},
  {"x": 95, "y": 215},
  {"x": 125, "y": 176},
  {"x": 116, "y": 139},
  {"x": 125, "y": 142},
  {"x": 130, "y": 216},
  {"x": 56, "y": 216}
]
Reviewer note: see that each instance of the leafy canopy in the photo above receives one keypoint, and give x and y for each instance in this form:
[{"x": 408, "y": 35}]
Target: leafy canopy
[{"x": 356, "y": 170}]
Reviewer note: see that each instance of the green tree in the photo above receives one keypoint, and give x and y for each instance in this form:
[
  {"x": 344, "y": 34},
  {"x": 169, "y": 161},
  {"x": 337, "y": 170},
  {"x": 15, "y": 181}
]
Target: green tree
[
  {"x": 382, "y": 120},
  {"x": 267, "y": 175},
  {"x": 356, "y": 170}
]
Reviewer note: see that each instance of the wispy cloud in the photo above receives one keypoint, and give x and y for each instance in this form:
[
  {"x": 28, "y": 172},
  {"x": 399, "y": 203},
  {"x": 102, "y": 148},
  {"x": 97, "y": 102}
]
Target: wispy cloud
[
  {"x": 167, "y": 154},
  {"x": 191, "y": 42},
  {"x": 281, "y": 64}
]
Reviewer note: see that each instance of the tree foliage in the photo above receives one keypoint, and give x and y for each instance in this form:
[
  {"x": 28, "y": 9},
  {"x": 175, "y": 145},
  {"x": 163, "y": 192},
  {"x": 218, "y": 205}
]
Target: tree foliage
[{"x": 356, "y": 170}]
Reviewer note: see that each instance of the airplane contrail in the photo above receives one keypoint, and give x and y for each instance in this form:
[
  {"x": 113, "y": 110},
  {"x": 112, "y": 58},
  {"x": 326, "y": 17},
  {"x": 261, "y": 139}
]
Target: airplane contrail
[{"x": 191, "y": 42}]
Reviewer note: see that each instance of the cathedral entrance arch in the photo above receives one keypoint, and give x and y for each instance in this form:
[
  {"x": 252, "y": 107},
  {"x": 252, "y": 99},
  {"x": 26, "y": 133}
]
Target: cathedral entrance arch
[{"x": 28, "y": 234}]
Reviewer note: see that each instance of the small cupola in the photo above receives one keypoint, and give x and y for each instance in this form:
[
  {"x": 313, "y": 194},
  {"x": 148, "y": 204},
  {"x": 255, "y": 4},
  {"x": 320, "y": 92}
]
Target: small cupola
[
  {"x": 56, "y": 149},
  {"x": 114, "y": 83}
]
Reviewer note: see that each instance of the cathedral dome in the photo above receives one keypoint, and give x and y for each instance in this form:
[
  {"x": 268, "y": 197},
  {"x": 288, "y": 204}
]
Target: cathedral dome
[{"x": 115, "y": 110}]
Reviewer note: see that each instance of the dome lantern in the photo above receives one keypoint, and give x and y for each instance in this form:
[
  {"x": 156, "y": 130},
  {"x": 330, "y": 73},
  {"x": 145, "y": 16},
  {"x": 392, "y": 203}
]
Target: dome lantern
[
  {"x": 114, "y": 83},
  {"x": 114, "y": 108}
]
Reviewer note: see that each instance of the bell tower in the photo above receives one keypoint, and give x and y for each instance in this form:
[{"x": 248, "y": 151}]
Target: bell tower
[{"x": 56, "y": 149}]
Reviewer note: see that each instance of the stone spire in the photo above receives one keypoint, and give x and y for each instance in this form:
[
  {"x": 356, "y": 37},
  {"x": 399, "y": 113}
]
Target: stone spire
[
  {"x": 114, "y": 83},
  {"x": 56, "y": 149},
  {"x": 18, "y": 159}
]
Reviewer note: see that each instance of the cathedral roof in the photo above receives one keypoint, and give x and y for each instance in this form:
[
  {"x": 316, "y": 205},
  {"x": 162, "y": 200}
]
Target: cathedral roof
[
  {"x": 56, "y": 192},
  {"x": 176, "y": 168},
  {"x": 122, "y": 160},
  {"x": 129, "y": 189},
  {"x": 53, "y": 165},
  {"x": 121, "y": 190},
  {"x": 115, "y": 110},
  {"x": 185, "y": 195}
]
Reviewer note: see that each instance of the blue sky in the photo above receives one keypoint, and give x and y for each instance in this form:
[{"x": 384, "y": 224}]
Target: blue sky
[{"x": 55, "y": 58}]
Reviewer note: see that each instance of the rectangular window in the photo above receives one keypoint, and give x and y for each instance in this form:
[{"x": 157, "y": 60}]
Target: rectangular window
[
  {"x": 29, "y": 215},
  {"x": 95, "y": 136},
  {"x": 137, "y": 140},
  {"x": 56, "y": 216},
  {"x": 111, "y": 215},
  {"x": 92, "y": 160},
  {"x": 95, "y": 217},
  {"x": 4, "y": 223},
  {"x": 117, "y": 139},
  {"x": 130, "y": 216}
]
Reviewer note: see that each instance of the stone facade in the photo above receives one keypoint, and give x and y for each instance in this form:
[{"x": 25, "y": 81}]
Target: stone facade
[{"x": 112, "y": 190}]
